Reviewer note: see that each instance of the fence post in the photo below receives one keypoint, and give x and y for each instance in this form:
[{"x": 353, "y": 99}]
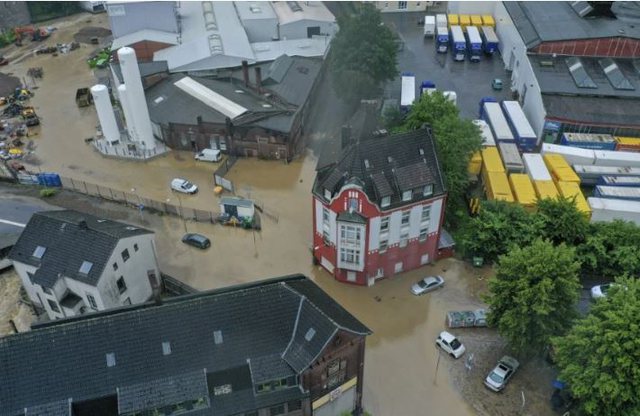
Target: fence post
[
  {"x": 98, "y": 190},
  {"x": 111, "y": 192},
  {"x": 86, "y": 191}
]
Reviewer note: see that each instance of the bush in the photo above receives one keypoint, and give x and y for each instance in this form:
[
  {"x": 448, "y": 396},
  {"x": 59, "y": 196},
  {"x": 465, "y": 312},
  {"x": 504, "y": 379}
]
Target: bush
[{"x": 47, "y": 192}]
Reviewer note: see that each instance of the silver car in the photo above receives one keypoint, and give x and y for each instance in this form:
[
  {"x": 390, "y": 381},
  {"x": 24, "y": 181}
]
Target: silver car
[
  {"x": 502, "y": 373},
  {"x": 427, "y": 284}
]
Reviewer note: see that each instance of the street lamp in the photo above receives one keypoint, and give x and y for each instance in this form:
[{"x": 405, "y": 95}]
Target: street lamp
[{"x": 180, "y": 213}]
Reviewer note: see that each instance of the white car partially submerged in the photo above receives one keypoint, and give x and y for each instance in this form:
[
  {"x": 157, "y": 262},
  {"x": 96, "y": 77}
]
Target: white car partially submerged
[
  {"x": 502, "y": 373},
  {"x": 184, "y": 186},
  {"x": 450, "y": 344},
  {"x": 426, "y": 285}
]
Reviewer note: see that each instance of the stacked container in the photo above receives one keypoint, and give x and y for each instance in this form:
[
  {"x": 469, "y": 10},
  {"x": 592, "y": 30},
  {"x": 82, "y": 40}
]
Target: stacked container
[
  {"x": 523, "y": 133},
  {"x": 629, "y": 144},
  {"x": 560, "y": 170},
  {"x": 617, "y": 192},
  {"x": 613, "y": 158},
  {"x": 511, "y": 157},
  {"x": 614, "y": 209},
  {"x": 572, "y": 190},
  {"x": 523, "y": 190},
  {"x": 589, "y": 141},
  {"x": 591, "y": 175},
  {"x": 497, "y": 187},
  {"x": 573, "y": 155}
]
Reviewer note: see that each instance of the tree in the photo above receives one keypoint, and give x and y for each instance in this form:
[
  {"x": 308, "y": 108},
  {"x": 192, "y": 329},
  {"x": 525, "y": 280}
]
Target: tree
[
  {"x": 560, "y": 221},
  {"x": 363, "y": 55},
  {"x": 533, "y": 295},
  {"x": 498, "y": 227},
  {"x": 598, "y": 358},
  {"x": 611, "y": 249},
  {"x": 457, "y": 139}
]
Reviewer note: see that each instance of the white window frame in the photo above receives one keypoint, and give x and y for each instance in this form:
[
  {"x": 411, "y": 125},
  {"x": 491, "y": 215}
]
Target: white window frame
[
  {"x": 384, "y": 245},
  {"x": 407, "y": 195},
  {"x": 386, "y": 201},
  {"x": 402, "y": 5},
  {"x": 426, "y": 212},
  {"x": 352, "y": 204},
  {"x": 384, "y": 221},
  {"x": 424, "y": 232},
  {"x": 405, "y": 215},
  {"x": 428, "y": 190},
  {"x": 350, "y": 255}
]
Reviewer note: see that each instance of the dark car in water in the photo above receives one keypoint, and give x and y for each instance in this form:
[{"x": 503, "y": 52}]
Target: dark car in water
[{"x": 196, "y": 240}]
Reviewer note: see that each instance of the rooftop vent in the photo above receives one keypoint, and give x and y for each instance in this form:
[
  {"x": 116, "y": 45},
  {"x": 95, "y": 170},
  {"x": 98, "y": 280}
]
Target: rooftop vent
[
  {"x": 158, "y": 100},
  {"x": 85, "y": 268},
  {"x": 215, "y": 44},
  {"x": 101, "y": 221},
  {"x": 294, "y": 6},
  {"x": 310, "y": 334},
  {"x": 217, "y": 337},
  {"x": 39, "y": 252},
  {"x": 166, "y": 348},
  {"x": 267, "y": 105},
  {"x": 255, "y": 9},
  {"x": 366, "y": 164},
  {"x": 547, "y": 64},
  {"x": 130, "y": 228},
  {"x": 239, "y": 92},
  {"x": 111, "y": 359},
  {"x": 421, "y": 151},
  {"x": 389, "y": 159}
]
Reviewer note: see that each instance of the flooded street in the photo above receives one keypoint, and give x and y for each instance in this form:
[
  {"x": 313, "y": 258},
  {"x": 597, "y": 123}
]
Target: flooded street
[{"x": 403, "y": 374}]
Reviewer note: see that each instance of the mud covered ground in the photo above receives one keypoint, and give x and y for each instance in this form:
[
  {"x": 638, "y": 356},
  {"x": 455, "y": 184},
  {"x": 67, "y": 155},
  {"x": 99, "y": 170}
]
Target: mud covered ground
[{"x": 10, "y": 306}]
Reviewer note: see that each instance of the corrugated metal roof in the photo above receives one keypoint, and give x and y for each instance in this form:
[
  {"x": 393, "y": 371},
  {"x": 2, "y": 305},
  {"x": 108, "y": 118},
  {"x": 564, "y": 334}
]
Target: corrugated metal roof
[{"x": 210, "y": 98}]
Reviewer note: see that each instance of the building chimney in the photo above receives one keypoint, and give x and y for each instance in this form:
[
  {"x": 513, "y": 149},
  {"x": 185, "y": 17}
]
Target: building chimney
[
  {"x": 245, "y": 73},
  {"x": 259, "y": 79},
  {"x": 345, "y": 136},
  {"x": 82, "y": 224}
]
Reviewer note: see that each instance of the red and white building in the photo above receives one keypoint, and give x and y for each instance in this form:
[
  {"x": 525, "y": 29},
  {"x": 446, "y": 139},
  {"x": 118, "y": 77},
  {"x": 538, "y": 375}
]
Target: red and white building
[{"x": 378, "y": 210}]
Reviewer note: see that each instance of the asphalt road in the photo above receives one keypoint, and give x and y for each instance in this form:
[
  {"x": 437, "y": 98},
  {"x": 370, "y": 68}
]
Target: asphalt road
[{"x": 15, "y": 212}]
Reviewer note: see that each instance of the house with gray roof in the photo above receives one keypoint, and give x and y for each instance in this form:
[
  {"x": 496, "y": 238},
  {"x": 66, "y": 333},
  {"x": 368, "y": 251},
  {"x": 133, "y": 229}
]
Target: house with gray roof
[
  {"x": 378, "y": 207},
  {"x": 276, "y": 347},
  {"x": 71, "y": 263}
]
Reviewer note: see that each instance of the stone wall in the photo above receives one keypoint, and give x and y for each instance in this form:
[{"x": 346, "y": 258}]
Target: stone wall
[{"x": 13, "y": 13}]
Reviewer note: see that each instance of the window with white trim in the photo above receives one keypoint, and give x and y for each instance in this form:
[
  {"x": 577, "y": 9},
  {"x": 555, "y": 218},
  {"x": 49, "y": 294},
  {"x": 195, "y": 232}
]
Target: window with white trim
[
  {"x": 404, "y": 237},
  {"x": 405, "y": 217},
  {"x": 402, "y": 5},
  {"x": 406, "y": 195},
  {"x": 384, "y": 244},
  {"x": 384, "y": 224},
  {"x": 424, "y": 231},
  {"x": 325, "y": 226},
  {"x": 350, "y": 235},
  {"x": 353, "y": 204},
  {"x": 386, "y": 201},
  {"x": 425, "y": 217},
  {"x": 428, "y": 190},
  {"x": 349, "y": 255}
]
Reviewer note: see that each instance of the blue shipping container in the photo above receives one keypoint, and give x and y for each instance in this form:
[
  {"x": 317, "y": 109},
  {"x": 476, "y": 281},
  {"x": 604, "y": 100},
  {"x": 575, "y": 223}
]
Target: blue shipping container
[
  {"x": 619, "y": 181},
  {"x": 49, "y": 179},
  {"x": 589, "y": 141}
]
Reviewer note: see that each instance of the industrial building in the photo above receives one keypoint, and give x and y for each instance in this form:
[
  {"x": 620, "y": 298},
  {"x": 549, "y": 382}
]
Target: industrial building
[{"x": 206, "y": 36}]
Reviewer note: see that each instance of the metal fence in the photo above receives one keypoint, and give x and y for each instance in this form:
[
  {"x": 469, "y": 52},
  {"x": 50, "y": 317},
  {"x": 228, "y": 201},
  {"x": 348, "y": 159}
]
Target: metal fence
[
  {"x": 218, "y": 175},
  {"x": 139, "y": 202},
  {"x": 123, "y": 150}
]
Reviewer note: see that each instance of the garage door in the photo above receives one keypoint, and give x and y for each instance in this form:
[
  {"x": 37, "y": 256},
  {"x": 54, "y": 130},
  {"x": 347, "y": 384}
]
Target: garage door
[{"x": 346, "y": 402}]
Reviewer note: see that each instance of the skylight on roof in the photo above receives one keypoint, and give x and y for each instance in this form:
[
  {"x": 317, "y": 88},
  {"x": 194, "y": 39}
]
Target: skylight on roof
[
  {"x": 111, "y": 359},
  {"x": 579, "y": 74},
  {"x": 310, "y": 334},
  {"x": 39, "y": 252},
  {"x": 217, "y": 337},
  {"x": 86, "y": 266},
  {"x": 615, "y": 75},
  {"x": 166, "y": 348}
]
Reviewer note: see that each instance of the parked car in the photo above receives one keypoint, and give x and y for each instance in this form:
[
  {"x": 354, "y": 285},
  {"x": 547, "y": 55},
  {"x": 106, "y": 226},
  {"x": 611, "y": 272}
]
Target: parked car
[
  {"x": 600, "y": 291},
  {"x": 502, "y": 373},
  {"x": 184, "y": 186},
  {"x": 427, "y": 284},
  {"x": 196, "y": 240},
  {"x": 450, "y": 344},
  {"x": 208, "y": 155},
  {"x": 496, "y": 84}
]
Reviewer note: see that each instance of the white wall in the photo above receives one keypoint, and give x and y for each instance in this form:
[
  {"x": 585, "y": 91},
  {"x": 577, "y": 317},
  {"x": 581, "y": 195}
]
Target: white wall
[
  {"x": 261, "y": 30},
  {"x": 415, "y": 222},
  {"x": 374, "y": 234},
  {"x": 298, "y": 30},
  {"x": 471, "y": 7}
]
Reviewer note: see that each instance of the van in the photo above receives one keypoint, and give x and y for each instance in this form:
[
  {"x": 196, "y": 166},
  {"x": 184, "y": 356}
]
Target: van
[{"x": 208, "y": 155}]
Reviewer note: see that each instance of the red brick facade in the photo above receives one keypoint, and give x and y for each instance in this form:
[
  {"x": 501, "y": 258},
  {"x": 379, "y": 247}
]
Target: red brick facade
[{"x": 619, "y": 47}]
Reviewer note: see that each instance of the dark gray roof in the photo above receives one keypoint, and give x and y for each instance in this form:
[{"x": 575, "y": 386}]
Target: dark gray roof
[
  {"x": 269, "y": 367},
  {"x": 347, "y": 216},
  {"x": 381, "y": 185},
  {"x": 69, "y": 238},
  {"x": 240, "y": 202},
  {"x": 554, "y": 77},
  {"x": 407, "y": 161},
  {"x": 539, "y": 22},
  {"x": 57, "y": 408},
  {"x": 146, "y": 69},
  {"x": 278, "y": 69},
  {"x": 257, "y": 321},
  {"x": 70, "y": 300},
  {"x": 593, "y": 110}
]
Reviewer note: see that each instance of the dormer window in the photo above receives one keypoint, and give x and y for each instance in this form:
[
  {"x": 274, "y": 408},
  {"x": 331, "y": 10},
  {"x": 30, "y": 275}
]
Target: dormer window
[
  {"x": 39, "y": 252},
  {"x": 327, "y": 194},
  {"x": 386, "y": 201},
  {"x": 406, "y": 195},
  {"x": 428, "y": 190},
  {"x": 85, "y": 268}
]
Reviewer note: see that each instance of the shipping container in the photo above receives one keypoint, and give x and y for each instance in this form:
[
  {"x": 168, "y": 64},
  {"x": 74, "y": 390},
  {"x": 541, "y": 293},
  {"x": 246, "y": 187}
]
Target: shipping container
[
  {"x": 613, "y": 158},
  {"x": 511, "y": 157},
  {"x": 589, "y": 141},
  {"x": 571, "y": 190},
  {"x": 465, "y": 21},
  {"x": 497, "y": 187},
  {"x": 617, "y": 192},
  {"x": 458, "y": 44},
  {"x": 452, "y": 20},
  {"x": 560, "y": 170},
  {"x": 490, "y": 42},
  {"x": 442, "y": 39},
  {"x": 475, "y": 44},
  {"x": 535, "y": 167},
  {"x": 491, "y": 162},
  {"x": 590, "y": 175},
  {"x": 493, "y": 115},
  {"x": 573, "y": 155},
  {"x": 619, "y": 181},
  {"x": 523, "y": 133},
  {"x": 487, "y": 20},
  {"x": 523, "y": 190},
  {"x": 545, "y": 189},
  {"x": 614, "y": 209},
  {"x": 475, "y": 164},
  {"x": 476, "y": 20},
  {"x": 408, "y": 93},
  {"x": 485, "y": 132},
  {"x": 628, "y": 144}
]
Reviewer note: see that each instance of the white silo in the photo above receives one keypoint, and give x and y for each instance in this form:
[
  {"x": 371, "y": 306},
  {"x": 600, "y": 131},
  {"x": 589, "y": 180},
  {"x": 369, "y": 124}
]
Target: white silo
[
  {"x": 135, "y": 98},
  {"x": 124, "y": 102},
  {"x": 105, "y": 113}
]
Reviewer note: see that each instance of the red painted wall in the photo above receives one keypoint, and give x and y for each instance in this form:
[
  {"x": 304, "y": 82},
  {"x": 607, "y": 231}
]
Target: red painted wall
[{"x": 611, "y": 47}]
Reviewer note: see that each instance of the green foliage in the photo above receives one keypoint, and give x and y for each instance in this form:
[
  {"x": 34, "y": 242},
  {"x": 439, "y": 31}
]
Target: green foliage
[
  {"x": 498, "y": 227},
  {"x": 45, "y": 10},
  {"x": 363, "y": 55},
  {"x": 533, "y": 295},
  {"x": 599, "y": 356},
  {"x": 47, "y": 192},
  {"x": 560, "y": 221},
  {"x": 611, "y": 249},
  {"x": 392, "y": 118},
  {"x": 457, "y": 139}
]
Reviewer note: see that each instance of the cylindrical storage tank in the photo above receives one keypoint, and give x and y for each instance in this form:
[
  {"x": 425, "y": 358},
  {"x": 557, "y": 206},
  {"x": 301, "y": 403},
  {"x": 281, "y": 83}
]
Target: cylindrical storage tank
[
  {"x": 124, "y": 102},
  {"x": 106, "y": 116},
  {"x": 135, "y": 97}
]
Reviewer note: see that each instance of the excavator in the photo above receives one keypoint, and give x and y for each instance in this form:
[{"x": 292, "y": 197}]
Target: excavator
[{"x": 36, "y": 33}]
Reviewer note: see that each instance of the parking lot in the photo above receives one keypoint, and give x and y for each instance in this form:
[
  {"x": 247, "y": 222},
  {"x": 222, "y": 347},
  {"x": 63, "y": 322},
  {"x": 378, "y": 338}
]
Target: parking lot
[{"x": 470, "y": 81}]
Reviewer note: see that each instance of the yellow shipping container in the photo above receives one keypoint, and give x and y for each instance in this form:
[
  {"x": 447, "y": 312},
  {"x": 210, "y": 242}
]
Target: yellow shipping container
[
  {"x": 487, "y": 20},
  {"x": 571, "y": 190},
  {"x": 491, "y": 162},
  {"x": 465, "y": 21},
  {"x": 497, "y": 187},
  {"x": 523, "y": 190},
  {"x": 476, "y": 20},
  {"x": 545, "y": 189},
  {"x": 627, "y": 144},
  {"x": 475, "y": 164},
  {"x": 560, "y": 170},
  {"x": 452, "y": 20}
]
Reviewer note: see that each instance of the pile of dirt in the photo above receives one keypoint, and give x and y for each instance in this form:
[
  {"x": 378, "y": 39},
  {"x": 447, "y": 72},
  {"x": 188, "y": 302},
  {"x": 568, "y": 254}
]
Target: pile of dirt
[
  {"x": 8, "y": 84},
  {"x": 85, "y": 34}
]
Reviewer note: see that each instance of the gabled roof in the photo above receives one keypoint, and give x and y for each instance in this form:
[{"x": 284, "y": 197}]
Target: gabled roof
[
  {"x": 237, "y": 335},
  {"x": 69, "y": 238},
  {"x": 386, "y": 166},
  {"x": 294, "y": 11}
]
